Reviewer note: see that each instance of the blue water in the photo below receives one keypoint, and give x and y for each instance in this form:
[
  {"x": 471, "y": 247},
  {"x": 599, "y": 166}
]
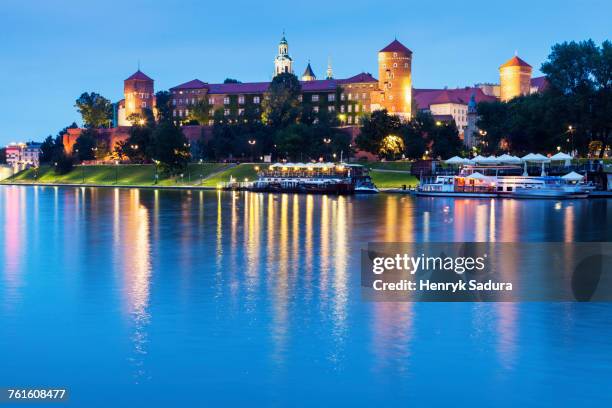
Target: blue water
[{"x": 187, "y": 299}]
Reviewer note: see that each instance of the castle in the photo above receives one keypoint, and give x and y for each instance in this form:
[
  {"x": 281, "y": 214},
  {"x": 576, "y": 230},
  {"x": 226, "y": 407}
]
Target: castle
[{"x": 347, "y": 98}]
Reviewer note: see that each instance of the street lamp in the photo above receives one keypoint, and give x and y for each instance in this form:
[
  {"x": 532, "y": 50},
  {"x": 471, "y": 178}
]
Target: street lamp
[
  {"x": 201, "y": 172},
  {"x": 252, "y": 144},
  {"x": 156, "y": 176}
]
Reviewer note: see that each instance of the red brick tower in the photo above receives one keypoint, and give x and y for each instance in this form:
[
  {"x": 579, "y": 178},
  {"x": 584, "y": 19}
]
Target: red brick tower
[
  {"x": 139, "y": 93},
  {"x": 395, "y": 79}
]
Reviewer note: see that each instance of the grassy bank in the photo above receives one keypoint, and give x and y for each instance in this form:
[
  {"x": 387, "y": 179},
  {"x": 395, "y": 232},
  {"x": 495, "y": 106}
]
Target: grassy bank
[
  {"x": 392, "y": 180},
  {"x": 393, "y": 165},
  {"x": 122, "y": 175},
  {"x": 144, "y": 175}
]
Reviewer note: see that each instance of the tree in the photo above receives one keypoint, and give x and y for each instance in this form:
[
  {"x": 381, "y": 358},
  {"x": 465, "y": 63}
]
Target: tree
[
  {"x": 375, "y": 127},
  {"x": 281, "y": 105},
  {"x": 143, "y": 118},
  {"x": 63, "y": 164},
  {"x": 444, "y": 140},
  {"x": 96, "y": 110},
  {"x": 84, "y": 147},
  {"x": 391, "y": 146},
  {"x": 163, "y": 104},
  {"x": 47, "y": 149},
  {"x": 139, "y": 145},
  {"x": 200, "y": 112},
  {"x": 231, "y": 81},
  {"x": 3, "y": 155},
  {"x": 414, "y": 134},
  {"x": 170, "y": 148}
]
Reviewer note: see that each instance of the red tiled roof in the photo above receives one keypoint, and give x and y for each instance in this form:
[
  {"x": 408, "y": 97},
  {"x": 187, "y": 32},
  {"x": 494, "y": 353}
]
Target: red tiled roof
[
  {"x": 424, "y": 98},
  {"x": 515, "y": 62},
  {"x": 193, "y": 84},
  {"x": 362, "y": 77},
  {"x": 139, "y": 75},
  {"x": 396, "y": 46}
]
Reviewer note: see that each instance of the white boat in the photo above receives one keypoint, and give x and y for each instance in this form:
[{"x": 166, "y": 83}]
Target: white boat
[{"x": 503, "y": 181}]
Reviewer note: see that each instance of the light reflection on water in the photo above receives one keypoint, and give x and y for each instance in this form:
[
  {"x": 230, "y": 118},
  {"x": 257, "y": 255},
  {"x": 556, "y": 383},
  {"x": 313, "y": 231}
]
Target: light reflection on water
[{"x": 215, "y": 289}]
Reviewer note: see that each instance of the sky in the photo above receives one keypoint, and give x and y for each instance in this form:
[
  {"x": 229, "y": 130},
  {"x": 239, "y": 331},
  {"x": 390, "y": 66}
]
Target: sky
[{"x": 51, "y": 52}]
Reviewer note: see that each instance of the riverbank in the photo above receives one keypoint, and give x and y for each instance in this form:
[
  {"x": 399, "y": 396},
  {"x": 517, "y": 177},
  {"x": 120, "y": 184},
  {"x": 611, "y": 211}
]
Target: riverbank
[{"x": 197, "y": 176}]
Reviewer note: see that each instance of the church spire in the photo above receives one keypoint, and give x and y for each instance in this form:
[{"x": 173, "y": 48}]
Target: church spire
[
  {"x": 330, "y": 73},
  {"x": 283, "y": 62}
]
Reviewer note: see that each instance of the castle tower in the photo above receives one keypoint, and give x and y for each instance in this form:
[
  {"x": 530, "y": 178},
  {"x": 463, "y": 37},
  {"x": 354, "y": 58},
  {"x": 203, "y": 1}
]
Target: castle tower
[
  {"x": 139, "y": 94},
  {"x": 514, "y": 78},
  {"x": 395, "y": 79},
  {"x": 330, "y": 73},
  {"x": 308, "y": 74},
  {"x": 283, "y": 62}
]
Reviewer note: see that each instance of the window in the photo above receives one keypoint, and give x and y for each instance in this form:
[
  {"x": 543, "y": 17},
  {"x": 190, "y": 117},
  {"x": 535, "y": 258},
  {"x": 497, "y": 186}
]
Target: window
[
  {"x": 240, "y": 111},
  {"x": 350, "y": 108},
  {"x": 226, "y": 100},
  {"x": 186, "y": 112},
  {"x": 315, "y": 98},
  {"x": 331, "y": 97},
  {"x": 226, "y": 112},
  {"x": 331, "y": 108},
  {"x": 193, "y": 101},
  {"x": 363, "y": 96},
  {"x": 211, "y": 112},
  {"x": 174, "y": 112},
  {"x": 341, "y": 108},
  {"x": 395, "y": 55},
  {"x": 349, "y": 119},
  {"x": 211, "y": 101},
  {"x": 241, "y": 99},
  {"x": 356, "y": 96},
  {"x": 342, "y": 96},
  {"x": 211, "y": 122},
  {"x": 390, "y": 97},
  {"x": 180, "y": 101},
  {"x": 174, "y": 102},
  {"x": 315, "y": 109},
  {"x": 300, "y": 98},
  {"x": 356, "y": 108},
  {"x": 180, "y": 112},
  {"x": 350, "y": 96},
  {"x": 406, "y": 65},
  {"x": 256, "y": 99}
]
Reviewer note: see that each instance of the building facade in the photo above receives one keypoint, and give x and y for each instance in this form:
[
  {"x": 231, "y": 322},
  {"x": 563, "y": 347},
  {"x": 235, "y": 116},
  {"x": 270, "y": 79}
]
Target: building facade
[{"x": 23, "y": 155}]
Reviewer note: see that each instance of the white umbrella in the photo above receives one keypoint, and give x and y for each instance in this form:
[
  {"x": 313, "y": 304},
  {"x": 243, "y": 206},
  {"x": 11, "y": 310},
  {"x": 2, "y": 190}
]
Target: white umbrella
[
  {"x": 573, "y": 176},
  {"x": 478, "y": 159},
  {"x": 536, "y": 158}
]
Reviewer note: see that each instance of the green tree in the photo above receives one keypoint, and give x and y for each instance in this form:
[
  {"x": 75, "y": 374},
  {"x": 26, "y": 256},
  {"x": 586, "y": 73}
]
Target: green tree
[
  {"x": 414, "y": 134},
  {"x": 163, "y": 105},
  {"x": 96, "y": 110},
  {"x": 200, "y": 112},
  {"x": 375, "y": 127},
  {"x": 444, "y": 140},
  {"x": 231, "y": 81},
  {"x": 281, "y": 105},
  {"x": 170, "y": 148},
  {"x": 84, "y": 147}
]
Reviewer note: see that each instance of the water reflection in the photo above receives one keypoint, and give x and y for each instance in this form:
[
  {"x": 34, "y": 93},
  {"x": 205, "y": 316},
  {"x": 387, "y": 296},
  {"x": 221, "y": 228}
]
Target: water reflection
[
  {"x": 133, "y": 254},
  {"x": 15, "y": 207}
]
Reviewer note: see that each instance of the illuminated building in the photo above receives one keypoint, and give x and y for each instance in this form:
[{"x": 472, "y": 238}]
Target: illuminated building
[
  {"x": 395, "y": 79},
  {"x": 283, "y": 62},
  {"x": 514, "y": 79},
  {"x": 23, "y": 155},
  {"x": 139, "y": 94}
]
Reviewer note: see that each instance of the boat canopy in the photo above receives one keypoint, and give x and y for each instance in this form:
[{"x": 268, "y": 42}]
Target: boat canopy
[
  {"x": 477, "y": 176},
  {"x": 303, "y": 165}
]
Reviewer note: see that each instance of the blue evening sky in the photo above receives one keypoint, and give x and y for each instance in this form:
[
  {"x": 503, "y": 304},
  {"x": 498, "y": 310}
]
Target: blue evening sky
[{"x": 52, "y": 51}]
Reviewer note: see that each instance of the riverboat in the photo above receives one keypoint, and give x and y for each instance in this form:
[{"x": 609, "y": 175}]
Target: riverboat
[
  {"x": 503, "y": 181},
  {"x": 318, "y": 178}
]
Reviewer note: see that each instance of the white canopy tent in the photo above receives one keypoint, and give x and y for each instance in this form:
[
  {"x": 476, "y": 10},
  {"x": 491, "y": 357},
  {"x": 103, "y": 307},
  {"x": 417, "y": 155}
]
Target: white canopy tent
[
  {"x": 479, "y": 159},
  {"x": 455, "y": 160},
  {"x": 535, "y": 158},
  {"x": 564, "y": 157},
  {"x": 478, "y": 176},
  {"x": 508, "y": 159}
]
